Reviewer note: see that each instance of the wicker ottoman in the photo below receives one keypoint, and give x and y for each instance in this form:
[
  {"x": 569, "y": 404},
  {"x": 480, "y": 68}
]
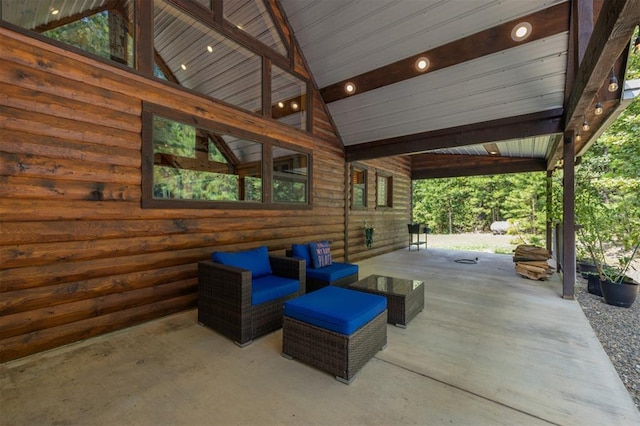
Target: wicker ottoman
[{"x": 335, "y": 329}]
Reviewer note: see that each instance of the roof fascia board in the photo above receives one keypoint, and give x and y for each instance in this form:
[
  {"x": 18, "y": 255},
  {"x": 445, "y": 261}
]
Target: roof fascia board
[{"x": 542, "y": 123}]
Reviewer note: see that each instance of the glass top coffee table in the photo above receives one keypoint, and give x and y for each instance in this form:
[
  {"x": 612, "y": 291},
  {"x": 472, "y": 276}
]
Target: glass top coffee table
[{"x": 405, "y": 298}]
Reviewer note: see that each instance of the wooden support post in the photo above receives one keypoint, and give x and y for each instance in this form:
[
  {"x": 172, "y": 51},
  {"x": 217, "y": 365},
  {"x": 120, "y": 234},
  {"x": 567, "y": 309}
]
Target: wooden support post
[
  {"x": 549, "y": 237},
  {"x": 568, "y": 219}
]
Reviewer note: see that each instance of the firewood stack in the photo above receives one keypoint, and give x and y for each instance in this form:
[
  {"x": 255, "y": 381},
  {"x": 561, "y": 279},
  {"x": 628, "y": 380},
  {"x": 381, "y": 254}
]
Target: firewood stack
[{"x": 531, "y": 262}]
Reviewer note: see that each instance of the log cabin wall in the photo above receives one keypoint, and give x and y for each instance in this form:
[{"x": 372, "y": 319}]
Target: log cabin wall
[
  {"x": 390, "y": 224},
  {"x": 80, "y": 257}
]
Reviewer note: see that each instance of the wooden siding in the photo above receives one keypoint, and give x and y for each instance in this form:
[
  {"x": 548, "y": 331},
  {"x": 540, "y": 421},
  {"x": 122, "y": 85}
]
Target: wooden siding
[
  {"x": 80, "y": 257},
  {"x": 390, "y": 223}
]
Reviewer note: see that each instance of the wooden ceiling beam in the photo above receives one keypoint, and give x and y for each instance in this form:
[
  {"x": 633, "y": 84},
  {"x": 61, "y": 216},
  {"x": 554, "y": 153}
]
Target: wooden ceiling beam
[
  {"x": 432, "y": 166},
  {"x": 544, "y": 23},
  {"x": 611, "y": 36},
  {"x": 543, "y": 123}
]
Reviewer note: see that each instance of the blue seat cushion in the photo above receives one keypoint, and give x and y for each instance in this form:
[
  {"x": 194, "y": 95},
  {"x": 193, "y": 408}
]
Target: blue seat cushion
[
  {"x": 336, "y": 309},
  {"x": 255, "y": 260},
  {"x": 333, "y": 272},
  {"x": 272, "y": 287},
  {"x": 301, "y": 251}
]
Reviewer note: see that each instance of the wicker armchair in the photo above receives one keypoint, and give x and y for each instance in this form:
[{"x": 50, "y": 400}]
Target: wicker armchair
[{"x": 224, "y": 299}]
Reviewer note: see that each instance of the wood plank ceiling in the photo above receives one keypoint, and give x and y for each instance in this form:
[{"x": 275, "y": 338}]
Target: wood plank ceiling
[{"x": 484, "y": 94}]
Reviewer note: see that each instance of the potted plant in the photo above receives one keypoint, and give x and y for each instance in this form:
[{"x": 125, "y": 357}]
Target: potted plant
[
  {"x": 609, "y": 228},
  {"x": 368, "y": 234}
]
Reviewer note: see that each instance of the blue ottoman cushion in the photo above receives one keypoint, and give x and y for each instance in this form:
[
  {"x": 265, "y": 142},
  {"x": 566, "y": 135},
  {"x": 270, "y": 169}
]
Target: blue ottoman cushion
[
  {"x": 336, "y": 309},
  {"x": 333, "y": 272},
  {"x": 271, "y": 287}
]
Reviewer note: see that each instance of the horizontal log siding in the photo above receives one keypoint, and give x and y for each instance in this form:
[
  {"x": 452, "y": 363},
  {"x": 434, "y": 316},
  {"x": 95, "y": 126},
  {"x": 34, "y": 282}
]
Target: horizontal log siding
[
  {"x": 390, "y": 223},
  {"x": 80, "y": 257}
]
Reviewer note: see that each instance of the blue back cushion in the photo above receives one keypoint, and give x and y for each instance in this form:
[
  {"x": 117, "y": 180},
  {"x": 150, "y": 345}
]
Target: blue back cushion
[
  {"x": 320, "y": 254},
  {"x": 255, "y": 260},
  {"x": 271, "y": 287},
  {"x": 337, "y": 309},
  {"x": 301, "y": 251}
]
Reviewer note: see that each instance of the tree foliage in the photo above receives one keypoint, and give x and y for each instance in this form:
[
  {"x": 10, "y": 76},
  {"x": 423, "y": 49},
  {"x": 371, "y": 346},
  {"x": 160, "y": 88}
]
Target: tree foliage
[{"x": 468, "y": 204}]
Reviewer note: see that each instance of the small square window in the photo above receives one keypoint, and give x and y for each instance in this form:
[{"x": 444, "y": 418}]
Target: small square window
[
  {"x": 384, "y": 192},
  {"x": 358, "y": 187}
]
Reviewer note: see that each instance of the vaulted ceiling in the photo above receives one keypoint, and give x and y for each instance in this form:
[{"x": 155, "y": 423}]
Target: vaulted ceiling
[{"x": 487, "y": 101}]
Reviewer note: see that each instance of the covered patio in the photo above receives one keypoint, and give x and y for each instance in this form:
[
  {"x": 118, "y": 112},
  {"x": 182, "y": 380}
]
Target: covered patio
[{"x": 489, "y": 348}]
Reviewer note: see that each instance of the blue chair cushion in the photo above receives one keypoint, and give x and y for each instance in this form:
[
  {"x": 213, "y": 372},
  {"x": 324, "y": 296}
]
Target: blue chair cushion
[
  {"x": 255, "y": 260},
  {"x": 320, "y": 254},
  {"x": 332, "y": 273},
  {"x": 336, "y": 309},
  {"x": 271, "y": 287},
  {"x": 301, "y": 251}
]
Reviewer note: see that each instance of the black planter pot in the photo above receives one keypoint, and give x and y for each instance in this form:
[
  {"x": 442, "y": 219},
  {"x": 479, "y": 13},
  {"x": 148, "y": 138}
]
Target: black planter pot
[
  {"x": 622, "y": 294},
  {"x": 585, "y": 267},
  {"x": 593, "y": 284}
]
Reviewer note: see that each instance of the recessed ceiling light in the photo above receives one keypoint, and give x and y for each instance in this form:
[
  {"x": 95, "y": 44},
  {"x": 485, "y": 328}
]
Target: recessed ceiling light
[
  {"x": 54, "y": 11},
  {"x": 521, "y": 31},
  {"x": 422, "y": 64},
  {"x": 350, "y": 88},
  {"x": 578, "y": 137},
  {"x": 210, "y": 49},
  {"x": 294, "y": 106},
  {"x": 183, "y": 66},
  {"x": 281, "y": 104}
]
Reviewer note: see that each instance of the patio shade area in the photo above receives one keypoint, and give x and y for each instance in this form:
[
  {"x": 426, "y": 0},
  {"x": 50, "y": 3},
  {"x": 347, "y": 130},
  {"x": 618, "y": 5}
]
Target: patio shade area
[{"x": 489, "y": 348}]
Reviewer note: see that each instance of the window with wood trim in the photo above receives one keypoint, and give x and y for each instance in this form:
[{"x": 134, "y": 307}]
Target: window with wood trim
[
  {"x": 103, "y": 28},
  {"x": 193, "y": 163},
  {"x": 288, "y": 98},
  {"x": 229, "y": 50},
  {"x": 290, "y": 176},
  {"x": 384, "y": 190},
  {"x": 358, "y": 187},
  {"x": 189, "y": 163}
]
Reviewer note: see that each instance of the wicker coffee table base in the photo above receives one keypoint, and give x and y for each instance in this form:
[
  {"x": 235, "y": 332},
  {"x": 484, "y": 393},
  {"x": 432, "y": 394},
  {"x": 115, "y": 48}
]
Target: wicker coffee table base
[{"x": 339, "y": 354}]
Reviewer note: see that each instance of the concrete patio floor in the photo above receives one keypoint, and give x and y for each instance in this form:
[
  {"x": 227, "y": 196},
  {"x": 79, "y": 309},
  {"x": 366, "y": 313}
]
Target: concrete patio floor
[{"x": 490, "y": 348}]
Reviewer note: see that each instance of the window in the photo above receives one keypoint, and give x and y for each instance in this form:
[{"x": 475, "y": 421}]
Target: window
[
  {"x": 290, "y": 176},
  {"x": 288, "y": 98},
  {"x": 193, "y": 163},
  {"x": 101, "y": 27},
  {"x": 229, "y": 50},
  {"x": 253, "y": 18},
  {"x": 189, "y": 163},
  {"x": 385, "y": 191},
  {"x": 358, "y": 187},
  {"x": 195, "y": 56}
]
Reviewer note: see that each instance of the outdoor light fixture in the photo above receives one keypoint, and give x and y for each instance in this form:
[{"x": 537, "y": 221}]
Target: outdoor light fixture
[
  {"x": 54, "y": 11},
  {"x": 578, "y": 137},
  {"x": 183, "y": 66},
  {"x": 585, "y": 126},
  {"x": 210, "y": 49},
  {"x": 613, "y": 82},
  {"x": 422, "y": 64},
  {"x": 521, "y": 31},
  {"x": 598, "y": 110},
  {"x": 350, "y": 88},
  {"x": 281, "y": 104},
  {"x": 294, "y": 106}
]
